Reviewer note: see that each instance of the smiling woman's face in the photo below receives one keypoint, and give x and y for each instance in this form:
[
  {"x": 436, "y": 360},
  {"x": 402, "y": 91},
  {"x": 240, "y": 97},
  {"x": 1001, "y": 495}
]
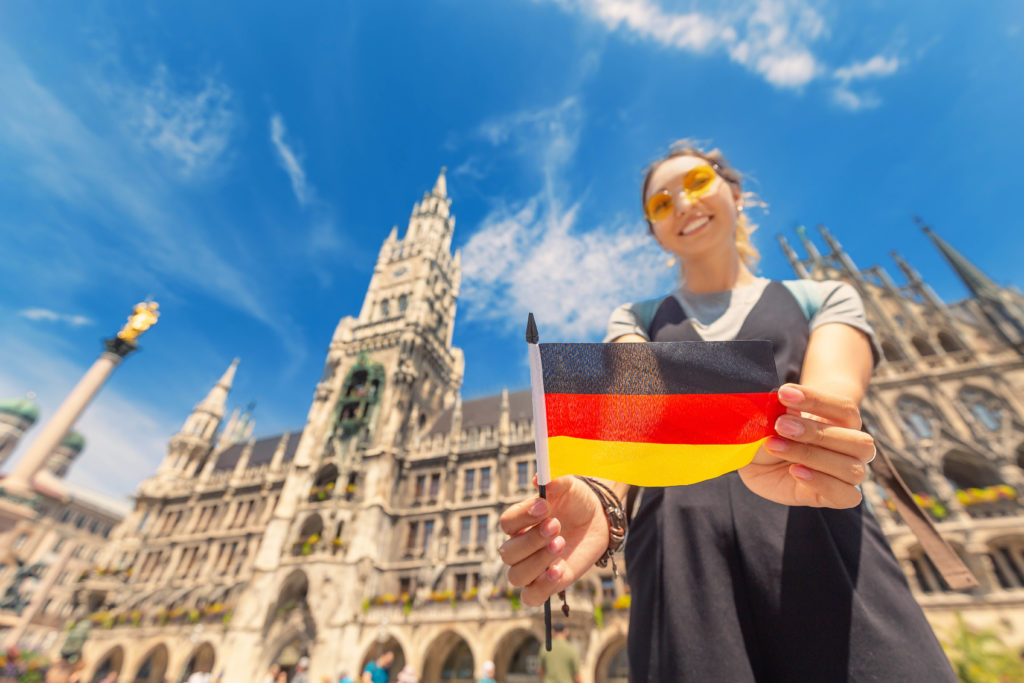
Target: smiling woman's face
[{"x": 698, "y": 222}]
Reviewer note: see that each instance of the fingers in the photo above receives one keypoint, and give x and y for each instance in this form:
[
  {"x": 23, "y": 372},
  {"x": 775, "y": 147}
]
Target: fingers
[
  {"x": 845, "y": 441},
  {"x": 848, "y": 470},
  {"x": 822, "y": 490},
  {"x": 523, "y": 515},
  {"x": 556, "y": 578},
  {"x": 838, "y": 410},
  {"x": 518, "y": 548}
]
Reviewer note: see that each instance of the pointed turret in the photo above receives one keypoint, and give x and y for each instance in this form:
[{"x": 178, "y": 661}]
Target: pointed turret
[
  {"x": 1002, "y": 308},
  {"x": 794, "y": 260},
  {"x": 440, "y": 185},
  {"x": 217, "y": 399}
]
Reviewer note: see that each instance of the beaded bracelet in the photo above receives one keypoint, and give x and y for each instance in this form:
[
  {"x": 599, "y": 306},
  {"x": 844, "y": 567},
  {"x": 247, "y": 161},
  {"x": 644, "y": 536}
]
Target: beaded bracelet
[{"x": 617, "y": 523}]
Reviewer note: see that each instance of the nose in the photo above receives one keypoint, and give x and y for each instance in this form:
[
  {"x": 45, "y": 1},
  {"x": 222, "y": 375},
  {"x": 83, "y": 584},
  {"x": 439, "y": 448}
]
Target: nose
[{"x": 683, "y": 201}]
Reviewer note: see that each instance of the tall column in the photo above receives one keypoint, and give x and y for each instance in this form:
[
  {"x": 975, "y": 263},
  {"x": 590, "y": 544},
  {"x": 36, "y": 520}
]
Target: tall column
[{"x": 19, "y": 481}]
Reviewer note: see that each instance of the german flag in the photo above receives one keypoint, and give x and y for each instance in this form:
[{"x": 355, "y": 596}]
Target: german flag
[{"x": 652, "y": 414}]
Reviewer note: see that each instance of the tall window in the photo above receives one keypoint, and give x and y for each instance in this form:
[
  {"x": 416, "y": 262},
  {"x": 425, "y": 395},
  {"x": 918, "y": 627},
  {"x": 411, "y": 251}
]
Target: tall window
[
  {"x": 435, "y": 486},
  {"x": 522, "y": 474},
  {"x": 470, "y": 481},
  {"x": 403, "y": 303},
  {"x": 410, "y": 541},
  {"x": 465, "y": 530},
  {"x": 485, "y": 480},
  {"x": 421, "y": 486},
  {"x": 481, "y": 530},
  {"x": 428, "y": 532}
]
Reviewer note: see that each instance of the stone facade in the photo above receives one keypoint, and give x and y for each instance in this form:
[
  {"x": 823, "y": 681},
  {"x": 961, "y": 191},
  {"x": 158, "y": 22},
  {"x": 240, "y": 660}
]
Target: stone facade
[{"x": 375, "y": 526}]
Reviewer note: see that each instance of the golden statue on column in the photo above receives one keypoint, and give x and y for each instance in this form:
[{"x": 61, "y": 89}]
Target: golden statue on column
[{"x": 143, "y": 317}]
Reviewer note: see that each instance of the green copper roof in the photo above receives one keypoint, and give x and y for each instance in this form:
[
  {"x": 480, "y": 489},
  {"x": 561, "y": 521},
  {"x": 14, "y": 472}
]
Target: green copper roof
[
  {"x": 73, "y": 440},
  {"x": 22, "y": 407}
]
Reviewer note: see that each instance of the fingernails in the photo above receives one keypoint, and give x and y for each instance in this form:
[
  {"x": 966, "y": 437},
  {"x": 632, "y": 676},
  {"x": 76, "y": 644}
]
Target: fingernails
[
  {"x": 539, "y": 508},
  {"x": 776, "y": 445},
  {"x": 549, "y": 528},
  {"x": 801, "y": 472},
  {"x": 555, "y": 571},
  {"x": 556, "y": 544},
  {"x": 790, "y": 394},
  {"x": 788, "y": 426}
]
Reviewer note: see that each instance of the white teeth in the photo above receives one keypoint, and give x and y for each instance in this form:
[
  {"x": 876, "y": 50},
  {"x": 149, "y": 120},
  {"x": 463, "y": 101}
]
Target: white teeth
[{"x": 696, "y": 225}]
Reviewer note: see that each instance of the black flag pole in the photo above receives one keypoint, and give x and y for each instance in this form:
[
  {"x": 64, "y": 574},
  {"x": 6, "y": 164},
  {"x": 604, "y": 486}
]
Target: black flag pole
[{"x": 533, "y": 338}]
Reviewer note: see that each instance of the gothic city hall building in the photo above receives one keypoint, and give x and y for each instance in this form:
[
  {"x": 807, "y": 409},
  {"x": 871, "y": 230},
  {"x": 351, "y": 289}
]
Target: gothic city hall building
[{"x": 374, "y": 526}]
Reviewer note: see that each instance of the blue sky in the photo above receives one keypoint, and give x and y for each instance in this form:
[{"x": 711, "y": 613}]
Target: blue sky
[{"x": 241, "y": 163}]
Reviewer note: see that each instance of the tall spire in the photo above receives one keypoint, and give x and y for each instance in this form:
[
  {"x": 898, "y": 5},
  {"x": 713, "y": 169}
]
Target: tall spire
[
  {"x": 216, "y": 400},
  {"x": 980, "y": 285},
  {"x": 441, "y": 186}
]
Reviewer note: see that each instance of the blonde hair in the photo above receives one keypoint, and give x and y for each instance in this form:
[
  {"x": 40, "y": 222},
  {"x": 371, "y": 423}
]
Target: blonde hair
[{"x": 744, "y": 227}]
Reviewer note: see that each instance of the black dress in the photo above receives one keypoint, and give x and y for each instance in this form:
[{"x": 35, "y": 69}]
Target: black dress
[{"x": 728, "y": 586}]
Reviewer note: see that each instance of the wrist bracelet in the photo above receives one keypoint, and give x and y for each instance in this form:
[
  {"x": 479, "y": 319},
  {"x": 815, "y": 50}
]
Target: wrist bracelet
[{"x": 617, "y": 523}]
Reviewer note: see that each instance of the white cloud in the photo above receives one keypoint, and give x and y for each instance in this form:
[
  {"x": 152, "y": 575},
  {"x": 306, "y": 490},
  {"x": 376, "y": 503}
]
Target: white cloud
[
  {"x": 530, "y": 255},
  {"x": 875, "y": 67},
  {"x": 125, "y": 440},
  {"x": 52, "y": 316},
  {"x": 289, "y": 160},
  {"x": 769, "y": 37},
  {"x": 191, "y": 128},
  {"x": 529, "y": 258}
]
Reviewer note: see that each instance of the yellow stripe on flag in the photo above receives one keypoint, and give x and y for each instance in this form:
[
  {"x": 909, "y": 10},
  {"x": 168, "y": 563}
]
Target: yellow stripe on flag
[{"x": 647, "y": 464}]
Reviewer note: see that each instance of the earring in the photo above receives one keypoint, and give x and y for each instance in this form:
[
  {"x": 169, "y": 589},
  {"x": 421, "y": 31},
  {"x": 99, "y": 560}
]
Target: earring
[{"x": 739, "y": 208}]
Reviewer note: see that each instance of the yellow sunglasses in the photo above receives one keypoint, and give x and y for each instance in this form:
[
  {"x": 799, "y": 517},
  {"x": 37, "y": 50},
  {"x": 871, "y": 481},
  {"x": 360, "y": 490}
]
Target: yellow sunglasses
[{"x": 696, "y": 183}]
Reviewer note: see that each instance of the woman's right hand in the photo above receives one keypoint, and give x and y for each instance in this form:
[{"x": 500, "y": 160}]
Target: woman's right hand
[{"x": 554, "y": 540}]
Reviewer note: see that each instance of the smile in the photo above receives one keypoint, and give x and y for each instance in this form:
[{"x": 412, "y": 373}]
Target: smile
[{"x": 695, "y": 225}]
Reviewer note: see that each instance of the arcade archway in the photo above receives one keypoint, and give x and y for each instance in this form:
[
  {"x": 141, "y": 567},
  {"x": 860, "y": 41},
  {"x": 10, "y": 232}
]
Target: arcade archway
[{"x": 154, "y": 666}]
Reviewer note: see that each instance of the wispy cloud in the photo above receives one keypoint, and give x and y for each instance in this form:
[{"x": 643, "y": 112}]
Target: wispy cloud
[
  {"x": 531, "y": 255},
  {"x": 772, "y": 38},
  {"x": 52, "y": 316},
  {"x": 289, "y": 160},
  {"x": 877, "y": 67},
  {"x": 192, "y": 128},
  {"x": 152, "y": 232}
]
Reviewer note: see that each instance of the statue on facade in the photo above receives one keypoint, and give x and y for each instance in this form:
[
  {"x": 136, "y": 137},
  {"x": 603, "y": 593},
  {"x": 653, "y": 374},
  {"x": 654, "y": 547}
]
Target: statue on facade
[{"x": 13, "y": 598}]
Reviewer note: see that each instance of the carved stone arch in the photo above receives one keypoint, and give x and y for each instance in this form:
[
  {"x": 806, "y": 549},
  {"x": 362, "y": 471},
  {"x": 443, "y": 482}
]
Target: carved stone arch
[
  {"x": 111, "y": 661},
  {"x": 1006, "y": 554},
  {"x": 969, "y": 470},
  {"x": 949, "y": 342},
  {"x": 286, "y": 642},
  {"x": 987, "y": 409},
  {"x": 920, "y": 418},
  {"x": 516, "y": 656},
  {"x": 612, "y": 662},
  {"x": 382, "y": 642},
  {"x": 202, "y": 658},
  {"x": 922, "y": 346},
  {"x": 292, "y": 596},
  {"x": 450, "y": 658},
  {"x": 153, "y": 665},
  {"x": 891, "y": 351},
  {"x": 310, "y": 533},
  {"x": 326, "y": 474}
]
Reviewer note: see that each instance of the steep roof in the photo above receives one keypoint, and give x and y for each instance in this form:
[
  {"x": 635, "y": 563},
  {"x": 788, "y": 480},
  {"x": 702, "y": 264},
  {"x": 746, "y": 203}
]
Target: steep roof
[
  {"x": 486, "y": 412},
  {"x": 262, "y": 451}
]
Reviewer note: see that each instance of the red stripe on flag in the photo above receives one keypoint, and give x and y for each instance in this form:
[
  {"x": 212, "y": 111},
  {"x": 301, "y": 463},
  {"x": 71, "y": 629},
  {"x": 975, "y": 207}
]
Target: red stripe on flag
[{"x": 667, "y": 418}]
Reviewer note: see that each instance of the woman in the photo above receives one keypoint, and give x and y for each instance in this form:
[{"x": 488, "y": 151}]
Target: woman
[{"x": 774, "y": 572}]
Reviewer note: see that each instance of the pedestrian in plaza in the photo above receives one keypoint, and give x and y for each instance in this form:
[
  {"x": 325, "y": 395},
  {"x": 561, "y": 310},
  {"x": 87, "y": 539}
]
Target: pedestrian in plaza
[
  {"x": 774, "y": 572},
  {"x": 376, "y": 670},
  {"x": 487, "y": 671},
  {"x": 301, "y": 671},
  {"x": 272, "y": 672},
  {"x": 562, "y": 663},
  {"x": 343, "y": 677}
]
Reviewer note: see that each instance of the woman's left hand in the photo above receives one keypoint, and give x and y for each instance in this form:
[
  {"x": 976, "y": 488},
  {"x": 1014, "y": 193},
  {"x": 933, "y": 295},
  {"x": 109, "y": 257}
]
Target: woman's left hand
[{"x": 819, "y": 456}]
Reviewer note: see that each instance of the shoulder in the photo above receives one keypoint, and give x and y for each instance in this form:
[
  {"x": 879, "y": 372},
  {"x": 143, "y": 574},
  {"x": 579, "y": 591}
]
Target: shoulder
[
  {"x": 814, "y": 296},
  {"x": 632, "y": 318}
]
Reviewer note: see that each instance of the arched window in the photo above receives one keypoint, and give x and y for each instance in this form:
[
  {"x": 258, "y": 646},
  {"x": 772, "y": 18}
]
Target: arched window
[
  {"x": 385, "y": 308},
  {"x": 918, "y": 417},
  {"x": 949, "y": 343},
  {"x": 922, "y": 346},
  {"x": 984, "y": 406},
  {"x": 891, "y": 351},
  {"x": 403, "y": 303},
  {"x": 1007, "y": 556}
]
